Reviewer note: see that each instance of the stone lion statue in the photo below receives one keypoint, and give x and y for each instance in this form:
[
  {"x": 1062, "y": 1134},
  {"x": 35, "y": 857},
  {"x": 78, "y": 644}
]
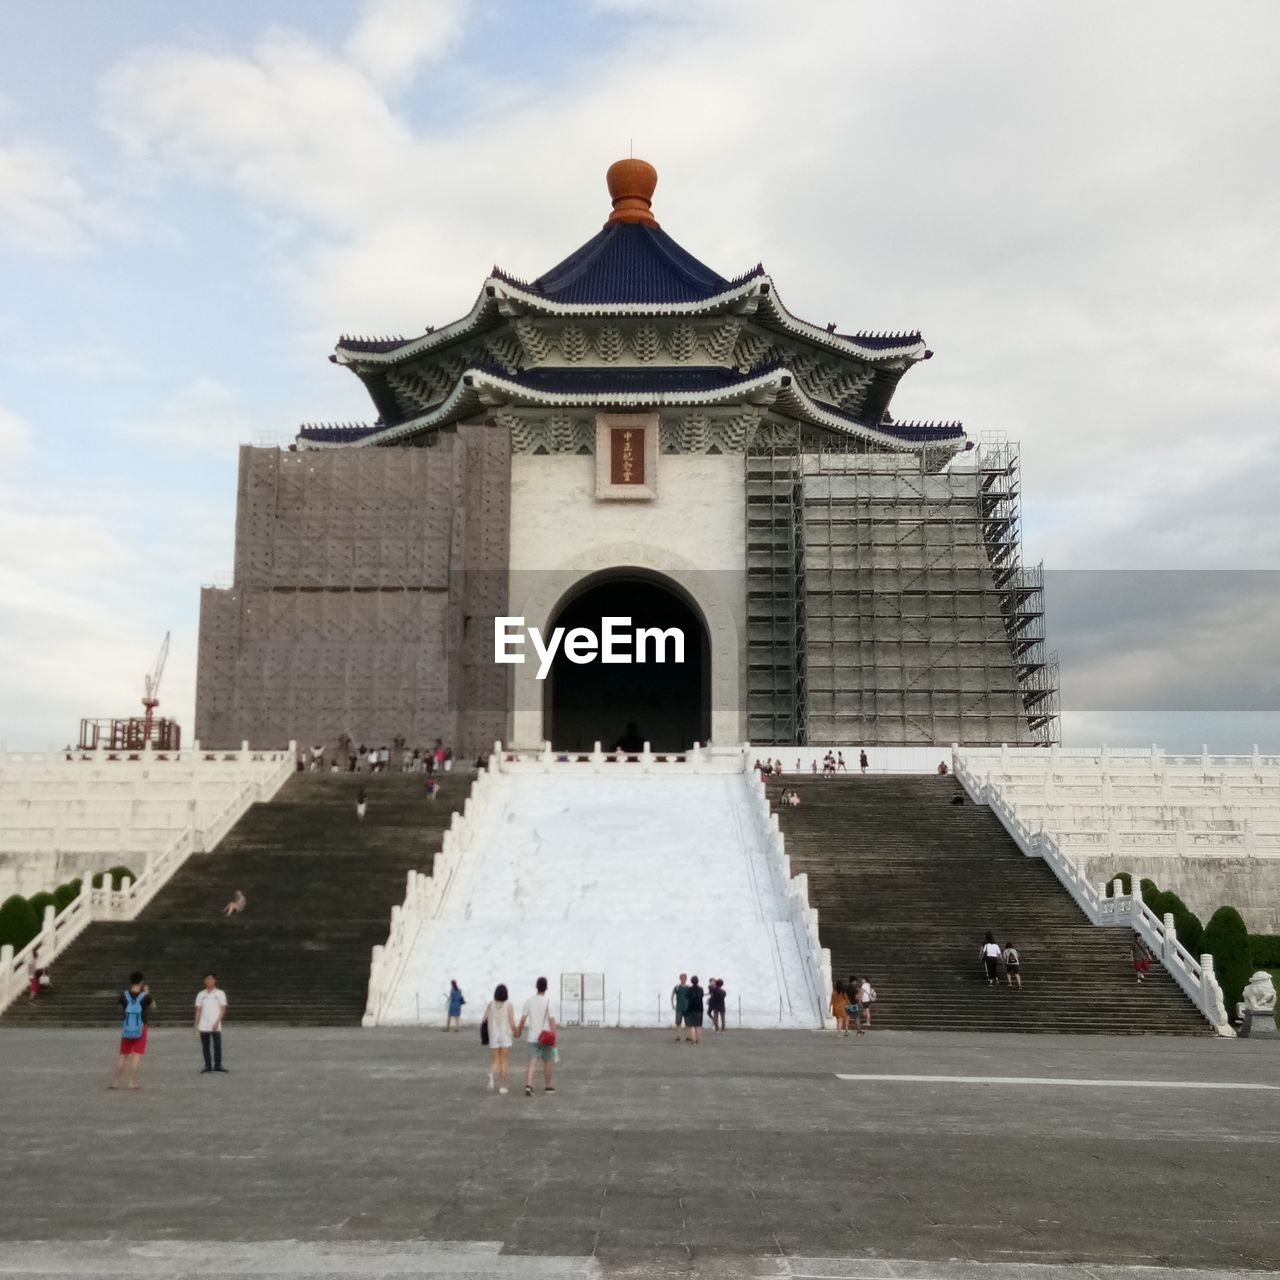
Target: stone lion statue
[{"x": 1260, "y": 994}]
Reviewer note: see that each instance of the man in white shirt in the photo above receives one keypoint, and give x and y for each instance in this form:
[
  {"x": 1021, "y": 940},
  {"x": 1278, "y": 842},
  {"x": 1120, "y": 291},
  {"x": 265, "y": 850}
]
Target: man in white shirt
[
  {"x": 534, "y": 1020},
  {"x": 211, "y": 1008}
]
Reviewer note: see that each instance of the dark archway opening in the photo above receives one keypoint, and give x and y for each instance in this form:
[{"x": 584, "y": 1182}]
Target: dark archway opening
[{"x": 665, "y": 704}]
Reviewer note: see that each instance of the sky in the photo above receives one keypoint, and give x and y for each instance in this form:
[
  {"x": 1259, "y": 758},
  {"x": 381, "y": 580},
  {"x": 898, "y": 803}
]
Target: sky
[{"x": 1077, "y": 203}]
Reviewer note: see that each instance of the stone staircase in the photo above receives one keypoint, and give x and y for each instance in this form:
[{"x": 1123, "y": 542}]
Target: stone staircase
[
  {"x": 907, "y": 885},
  {"x": 320, "y": 887}
]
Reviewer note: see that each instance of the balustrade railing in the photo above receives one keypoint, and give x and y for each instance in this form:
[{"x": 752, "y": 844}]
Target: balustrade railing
[
  {"x": 1195, "y": 977},
  {"x": 268, "y": 772}
]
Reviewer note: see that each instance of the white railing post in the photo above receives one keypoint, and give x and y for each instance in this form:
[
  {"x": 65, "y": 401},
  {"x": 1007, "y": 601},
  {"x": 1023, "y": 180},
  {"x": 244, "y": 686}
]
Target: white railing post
[
  {"x": 1169, "y": 944},
  {"x": 6, "y": 975},
  {"x": 1212, "y": 1001}
]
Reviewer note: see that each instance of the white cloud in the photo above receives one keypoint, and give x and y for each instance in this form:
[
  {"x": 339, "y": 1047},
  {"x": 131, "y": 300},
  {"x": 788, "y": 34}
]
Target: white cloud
[
  {"x": 394, "y": 38},
  {"x": 289, "y": 127},
  {"x": 44, "y": 207},
  {"x": 15, "y": 436},
  {"x": 202, "y": 416}
]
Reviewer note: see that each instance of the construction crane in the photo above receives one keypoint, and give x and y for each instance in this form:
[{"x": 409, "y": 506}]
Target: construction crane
[{"x": 151, "y": 681}]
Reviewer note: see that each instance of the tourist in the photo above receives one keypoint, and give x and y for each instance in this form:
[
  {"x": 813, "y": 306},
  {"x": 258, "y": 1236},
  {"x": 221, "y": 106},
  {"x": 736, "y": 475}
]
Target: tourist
[
  {"x": 813, "y": 768},
  {"x": 538, "y": 1027},
  {"x": 236, "y": 905},
  {"x": 211, "y": 1008},
  {"x": 432, "y": 786},
  {"x": 1141, "y": 957},
  {"x": 958, "y": 798},
  {"x": 693, "y": 1011},
  {"x": 840, "y": 1007},
  {"x": 456, "y": 1001},
  {"x": 680, "y": 1002},
  {"x": 137, "y": 1003},
  {"x": 990, "y": 956},
  {"x": 715, "y": 1003},
  {"x": 500, "y": 1023},
  {"x": 362, "y": 803},
  {"x": 1012, "y": 966},
  {"x": 841, "y": 767},
  {"x": 448, "y": 759},
  {"x": 317, "y": 759},
  {"x": 942, "y": 769},
  {"x": 793, "y": 799},
  {"x": 798, "y": 764},
  {"x": 777, "y": 767},
  {"x": 866, "y": 998},
  {"x": 438, "y": 756},
  {"x": 863, "y": 762},
  {"x": 33, "y": 973},
  {"x": 853, "y": 1013}
]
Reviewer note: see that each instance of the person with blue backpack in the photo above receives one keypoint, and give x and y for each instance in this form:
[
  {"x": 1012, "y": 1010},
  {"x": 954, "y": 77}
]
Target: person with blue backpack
[{"x": 137, "y": 1003}]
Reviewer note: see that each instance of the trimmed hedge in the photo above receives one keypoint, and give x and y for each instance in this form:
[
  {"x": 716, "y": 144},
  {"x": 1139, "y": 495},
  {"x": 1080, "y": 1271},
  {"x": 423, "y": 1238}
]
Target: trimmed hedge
[
  {"x": 1126, "y": 881},
  {"x": 38, "y": 901},
  {"x": 1227, "y": 940},
  {"x": 1266, "y": 950},
  {"x": 112, "y": 877},
  {"x": 18, "y": 922},
  {"x": 65, "y": 894}
]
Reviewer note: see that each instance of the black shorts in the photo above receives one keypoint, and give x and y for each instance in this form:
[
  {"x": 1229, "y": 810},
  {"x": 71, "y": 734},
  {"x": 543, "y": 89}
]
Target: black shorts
[{"x": 693, "y": 1019}]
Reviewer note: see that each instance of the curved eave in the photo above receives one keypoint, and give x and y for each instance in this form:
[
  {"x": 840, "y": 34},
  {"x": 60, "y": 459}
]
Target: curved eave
[
  {"x": 755, "y": 293},
  {"x": 479, "y": 388}
]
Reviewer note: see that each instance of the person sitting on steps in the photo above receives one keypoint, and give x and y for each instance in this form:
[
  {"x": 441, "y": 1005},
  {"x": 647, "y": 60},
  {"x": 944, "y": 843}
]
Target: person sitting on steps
[{"x": 236, "y": 905}]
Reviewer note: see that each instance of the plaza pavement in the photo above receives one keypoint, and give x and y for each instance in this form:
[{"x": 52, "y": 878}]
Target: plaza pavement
[{"x": 382, "y": 1154}]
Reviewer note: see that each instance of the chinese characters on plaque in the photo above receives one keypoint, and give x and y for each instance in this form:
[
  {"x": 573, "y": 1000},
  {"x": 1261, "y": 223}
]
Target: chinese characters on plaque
[{"x": 626, "y": 455}]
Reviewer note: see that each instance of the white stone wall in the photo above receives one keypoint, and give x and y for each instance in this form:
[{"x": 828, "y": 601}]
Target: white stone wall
[{"x": 693, "y": 532}]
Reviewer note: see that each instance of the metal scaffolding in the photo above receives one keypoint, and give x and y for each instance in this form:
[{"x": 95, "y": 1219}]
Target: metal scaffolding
[{"x": 887, "y": 601}]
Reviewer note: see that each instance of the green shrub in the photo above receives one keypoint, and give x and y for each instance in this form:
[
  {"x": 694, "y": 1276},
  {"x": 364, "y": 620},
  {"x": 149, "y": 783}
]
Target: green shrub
[
  {"x": 1266, "y": 950},
  {"x": 65, "y": 894},
  {"x": 18, "y": 923},
  {"x": 1150, "y": 893},
  {"x": 38, "y": 901},
  {"x": 1126, "y": 881},
  {"x": 112, "y": 877},
  {"x": 1227, "y": 940}
]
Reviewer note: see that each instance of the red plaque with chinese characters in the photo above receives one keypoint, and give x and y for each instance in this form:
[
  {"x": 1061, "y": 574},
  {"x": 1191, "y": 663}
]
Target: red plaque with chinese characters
[{"x": 626, "y": 455}]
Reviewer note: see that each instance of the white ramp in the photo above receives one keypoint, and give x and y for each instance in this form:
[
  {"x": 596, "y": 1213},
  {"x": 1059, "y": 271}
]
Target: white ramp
[{"x": 630, "y": 875}]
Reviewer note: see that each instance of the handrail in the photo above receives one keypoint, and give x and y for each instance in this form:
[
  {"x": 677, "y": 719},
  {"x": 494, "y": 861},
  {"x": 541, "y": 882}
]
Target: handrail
[
  {"x": 59, "y": 930},
  {"x": 1195, "y": 977}
]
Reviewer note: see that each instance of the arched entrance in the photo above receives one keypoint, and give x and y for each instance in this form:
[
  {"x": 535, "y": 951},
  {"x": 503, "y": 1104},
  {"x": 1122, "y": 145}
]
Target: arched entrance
[{"x": 666, "y": 704}]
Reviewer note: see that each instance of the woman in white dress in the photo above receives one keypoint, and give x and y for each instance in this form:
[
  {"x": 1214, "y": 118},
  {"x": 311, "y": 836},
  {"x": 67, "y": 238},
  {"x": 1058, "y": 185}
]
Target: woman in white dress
[{"x": 500, "y": 1019}]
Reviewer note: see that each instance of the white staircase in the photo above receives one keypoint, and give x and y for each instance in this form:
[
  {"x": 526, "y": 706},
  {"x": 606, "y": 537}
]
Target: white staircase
[{"x": 619, "y": 871}]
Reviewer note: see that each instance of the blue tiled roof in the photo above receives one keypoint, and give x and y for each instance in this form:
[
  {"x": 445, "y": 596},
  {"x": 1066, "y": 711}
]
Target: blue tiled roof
[
  {"x": 373, "y": 344},
  {"x": 883, "y": 341},
  {"x": 628, "y": 262},
  {"x": 627, "y": 380},
  {"x": 327, "y": 434}
]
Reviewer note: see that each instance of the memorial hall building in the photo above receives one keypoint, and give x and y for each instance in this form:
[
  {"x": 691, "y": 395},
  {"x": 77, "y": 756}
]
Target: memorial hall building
[{"x": 629, "y": 435}]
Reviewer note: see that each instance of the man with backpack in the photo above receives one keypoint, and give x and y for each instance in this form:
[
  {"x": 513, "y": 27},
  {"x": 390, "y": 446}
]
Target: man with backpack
[{"x": 137, "y": 1003}]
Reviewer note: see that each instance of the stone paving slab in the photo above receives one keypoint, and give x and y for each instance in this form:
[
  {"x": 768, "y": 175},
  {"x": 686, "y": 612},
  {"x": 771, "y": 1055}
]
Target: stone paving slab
[{"x": 652, "y": 1158}]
